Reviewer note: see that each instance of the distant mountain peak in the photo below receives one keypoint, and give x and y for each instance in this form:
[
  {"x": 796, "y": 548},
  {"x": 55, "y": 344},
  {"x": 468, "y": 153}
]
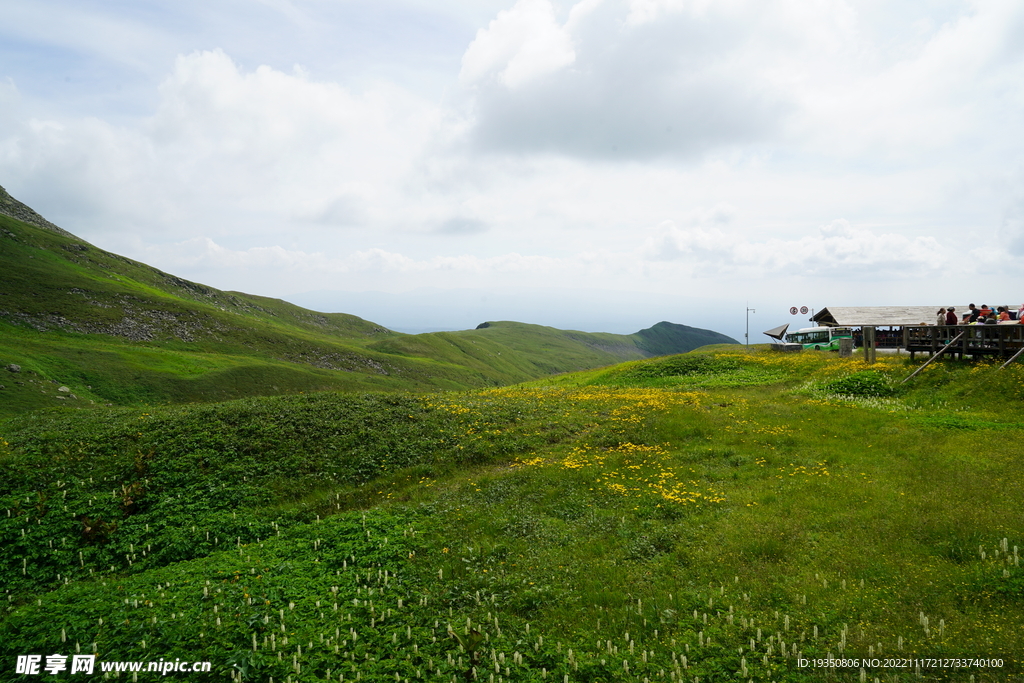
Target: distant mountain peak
[
  {"x": 9, "y": 206},
  {"x": 666, "y": 338}
]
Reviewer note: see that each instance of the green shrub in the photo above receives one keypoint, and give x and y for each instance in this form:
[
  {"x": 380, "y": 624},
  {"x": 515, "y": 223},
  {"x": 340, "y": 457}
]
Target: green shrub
[
  {"x": 866, "y": 383},
  {"x": 681, "y": 366}
]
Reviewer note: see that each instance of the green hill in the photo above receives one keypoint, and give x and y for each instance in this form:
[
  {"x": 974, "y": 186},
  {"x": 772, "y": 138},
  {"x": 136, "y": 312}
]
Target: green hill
[
  {"x": 751, "y": 511},
  {"x": 110, "y": 330}
]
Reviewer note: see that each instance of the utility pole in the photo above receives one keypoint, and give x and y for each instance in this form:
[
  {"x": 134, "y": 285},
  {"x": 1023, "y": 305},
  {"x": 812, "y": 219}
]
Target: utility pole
[{"x": 746, "y": 335}]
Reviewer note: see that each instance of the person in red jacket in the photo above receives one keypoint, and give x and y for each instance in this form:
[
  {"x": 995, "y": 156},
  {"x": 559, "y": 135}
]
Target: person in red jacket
[{"x": 950, "y": 316}]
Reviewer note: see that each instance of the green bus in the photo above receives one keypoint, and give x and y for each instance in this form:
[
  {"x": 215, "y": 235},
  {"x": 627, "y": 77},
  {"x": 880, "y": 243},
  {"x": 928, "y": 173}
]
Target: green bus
[{"x": 820, "y": 338}]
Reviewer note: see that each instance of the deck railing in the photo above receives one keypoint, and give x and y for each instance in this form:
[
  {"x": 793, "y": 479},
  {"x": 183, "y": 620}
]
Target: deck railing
[{"x": 979, "y": 340}]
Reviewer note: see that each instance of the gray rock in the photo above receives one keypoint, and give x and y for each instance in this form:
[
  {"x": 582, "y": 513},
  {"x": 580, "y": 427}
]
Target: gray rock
[
  {"x": 14, "y": 368},
  {"x": 64, "y": 389}
]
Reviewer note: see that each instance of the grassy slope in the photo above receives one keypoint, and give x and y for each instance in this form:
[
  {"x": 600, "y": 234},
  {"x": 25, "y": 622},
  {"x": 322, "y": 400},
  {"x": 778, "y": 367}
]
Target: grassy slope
[
  {"x": 705, "y": 506},
  {"x": 84, "y": 317},
  {"x": 518, "y": 350},
  {"x": 115, "y": 331}
]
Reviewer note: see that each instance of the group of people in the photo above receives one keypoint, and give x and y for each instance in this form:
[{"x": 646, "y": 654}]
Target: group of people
[{"x": 980, "y": 316}]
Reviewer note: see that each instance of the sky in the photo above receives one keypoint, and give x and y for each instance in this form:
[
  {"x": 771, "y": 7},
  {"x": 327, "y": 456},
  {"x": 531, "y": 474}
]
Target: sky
[{"x": 599, "y": 165}]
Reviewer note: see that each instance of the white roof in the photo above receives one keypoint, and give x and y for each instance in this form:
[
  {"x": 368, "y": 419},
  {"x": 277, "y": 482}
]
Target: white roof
[{"x": 883, "y": 316}]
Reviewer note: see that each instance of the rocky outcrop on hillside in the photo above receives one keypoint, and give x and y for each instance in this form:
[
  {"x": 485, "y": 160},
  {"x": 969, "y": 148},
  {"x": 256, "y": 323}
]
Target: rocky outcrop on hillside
[
  {"x": 349, "y": 362},
  {"x": 9, "y": 206},
  {"x": 136, "y": 324}
]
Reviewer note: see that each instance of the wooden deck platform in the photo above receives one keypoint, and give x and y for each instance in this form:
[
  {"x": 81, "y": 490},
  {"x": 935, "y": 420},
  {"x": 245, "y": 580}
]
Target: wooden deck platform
[{"x": 979, "y": 340}]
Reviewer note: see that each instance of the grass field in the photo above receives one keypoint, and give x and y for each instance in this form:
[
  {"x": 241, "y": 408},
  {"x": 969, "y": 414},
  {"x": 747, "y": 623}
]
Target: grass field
[{"x": 714, "y": 516}]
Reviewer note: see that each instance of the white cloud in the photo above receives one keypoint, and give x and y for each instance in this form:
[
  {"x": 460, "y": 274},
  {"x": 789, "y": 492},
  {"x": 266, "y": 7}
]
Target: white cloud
[
  {"x": 264, "y": 146},
  {"x": 293, "y": 145},
  {"x": 643, "y": 82},
  {"x": 646, "y": 11},
  {"x": 935, "y": 97},
  {"x": 522, "y": 44},
  {"x": 462, "y": 226},
  {"x": 836, "y": 250},
  {"x": 679, "y": 78},
  {"x": 10, "y": 105},
  {"x": 74, "y": 27},
  {"x": 1011, "y": 231},
  {"x": 205, "y": 252}
]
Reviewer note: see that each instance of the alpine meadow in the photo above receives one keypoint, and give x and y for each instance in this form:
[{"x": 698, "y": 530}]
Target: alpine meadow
[{"x": 193, "y": 475}]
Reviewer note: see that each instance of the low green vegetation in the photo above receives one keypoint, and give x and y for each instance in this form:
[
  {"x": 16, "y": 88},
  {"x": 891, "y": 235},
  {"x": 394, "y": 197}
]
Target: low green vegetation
[
  {"x": 714, "y": 516},
  {"x": 693, "y": 371}
]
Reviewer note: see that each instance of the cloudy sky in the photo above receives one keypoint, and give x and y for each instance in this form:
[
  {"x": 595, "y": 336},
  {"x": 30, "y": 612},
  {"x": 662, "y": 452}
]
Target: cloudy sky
[{"x": 597, "y": 165}]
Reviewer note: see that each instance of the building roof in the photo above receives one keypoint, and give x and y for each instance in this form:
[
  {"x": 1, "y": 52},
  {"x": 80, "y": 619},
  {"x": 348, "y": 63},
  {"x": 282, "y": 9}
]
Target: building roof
[{"x": 882, "y": 316}]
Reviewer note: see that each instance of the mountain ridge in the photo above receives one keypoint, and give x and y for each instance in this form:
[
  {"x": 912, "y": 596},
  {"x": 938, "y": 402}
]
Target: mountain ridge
[{"x": 118, "y": 331}]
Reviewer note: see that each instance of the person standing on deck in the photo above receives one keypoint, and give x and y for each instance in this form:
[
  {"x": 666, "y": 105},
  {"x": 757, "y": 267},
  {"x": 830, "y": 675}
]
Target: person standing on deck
[
  {"x": 950, "y": 316},
  {"x": 940, "y": 317}
]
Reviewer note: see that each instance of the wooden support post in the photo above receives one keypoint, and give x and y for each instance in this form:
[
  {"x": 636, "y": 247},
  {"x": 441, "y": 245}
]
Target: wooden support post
[
  {"x": 928, "y": 362},
  {"x": 869, "y": 344}
]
